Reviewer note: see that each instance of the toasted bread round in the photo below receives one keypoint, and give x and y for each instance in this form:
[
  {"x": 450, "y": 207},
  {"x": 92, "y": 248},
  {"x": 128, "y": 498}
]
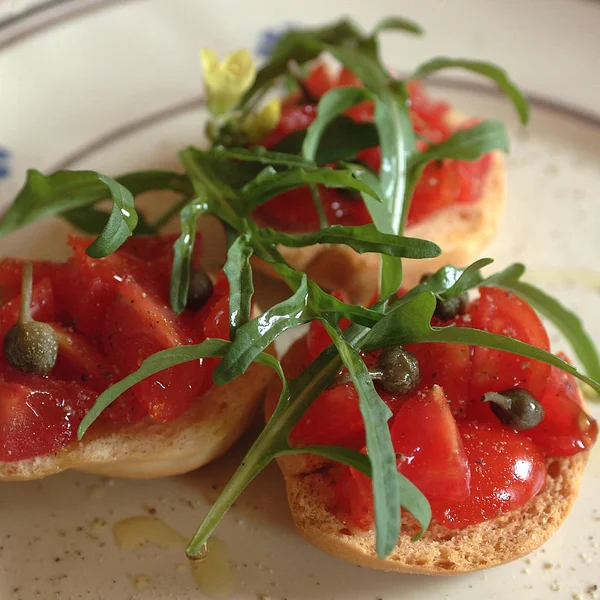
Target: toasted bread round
[
  {"x": 442, "y": 551},
  {"x": 145, "y": 449},
  {"x": 461, "y": 231}
]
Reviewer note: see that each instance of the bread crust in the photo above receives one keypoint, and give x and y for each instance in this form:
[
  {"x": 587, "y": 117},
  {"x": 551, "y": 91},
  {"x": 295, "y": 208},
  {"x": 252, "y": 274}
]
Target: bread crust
[
  {"x": 461, "y": 231},
  {"x": 442, "y": 551},
  {"x": 145, "y": 449}
]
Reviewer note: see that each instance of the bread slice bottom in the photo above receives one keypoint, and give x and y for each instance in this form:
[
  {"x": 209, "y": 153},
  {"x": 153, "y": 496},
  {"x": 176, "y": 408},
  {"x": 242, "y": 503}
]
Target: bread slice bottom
[
  {"x": 310, "y": 482},
  {"x": 461, "y": 231},
  {"x": 441, "y": 551},
  {"x": 145, "y": 449}
]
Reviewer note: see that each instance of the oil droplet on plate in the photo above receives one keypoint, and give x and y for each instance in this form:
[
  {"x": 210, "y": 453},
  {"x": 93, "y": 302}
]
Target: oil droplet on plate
[
  {"x": 212, "y": 571},
  {"x": 141, "y": 582},
  {"x": 137, "y": 532}
]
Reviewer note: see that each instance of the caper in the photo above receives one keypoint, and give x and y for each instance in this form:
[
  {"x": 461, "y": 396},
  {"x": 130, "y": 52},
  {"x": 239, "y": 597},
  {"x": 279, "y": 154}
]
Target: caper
[
  {"x": 30, "y": 346},
  {"x": 199, "y": 291},
  {"x": 451, "y": 307},
  {"x": 448, "y": 308},
  {"x": 397, "y": 371},
  {"x": 516, "y": 408}
]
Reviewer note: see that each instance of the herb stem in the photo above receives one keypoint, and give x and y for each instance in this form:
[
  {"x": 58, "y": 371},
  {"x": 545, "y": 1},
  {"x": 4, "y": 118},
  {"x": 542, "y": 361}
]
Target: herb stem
[{"x": 26, "y": 293}]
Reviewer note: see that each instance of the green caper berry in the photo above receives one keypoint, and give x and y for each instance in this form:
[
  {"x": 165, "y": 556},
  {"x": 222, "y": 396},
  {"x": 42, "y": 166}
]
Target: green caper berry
[
  {"x": 31, "y": 347},
  {"x": 447, "y": 309},
  {"x": 397, "y": 371},
  {"x": 451, "y": 307},
  {"x": 516, "y": 408},
  {"x": 199, "y": 291}
]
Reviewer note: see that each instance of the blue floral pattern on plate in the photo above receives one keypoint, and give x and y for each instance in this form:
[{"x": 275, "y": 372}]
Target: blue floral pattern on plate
[
  {"x": 268, "y": 38},
  {"x": 4, "y": 157}
]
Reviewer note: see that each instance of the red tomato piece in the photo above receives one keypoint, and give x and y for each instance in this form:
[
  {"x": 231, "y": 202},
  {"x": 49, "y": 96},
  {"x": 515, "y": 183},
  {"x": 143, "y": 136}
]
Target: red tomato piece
[
  {"x": 449, "y": 366},
  {"x": 320, "y": 80},
  {"x": 39, "y": 416},
  {"x": 354, "y": 497},
  {"x": 507, "y": 470},
  {"x": 334, "y": 418},
  {"x": 137, "y": 325},
  {"x": 430, "y": 449},
  {"x": 567, "y": 428},
  {"x": 500, "y": 311},
  {"x": 430, "y": 453},
  {"x": 293, "y": 118}
]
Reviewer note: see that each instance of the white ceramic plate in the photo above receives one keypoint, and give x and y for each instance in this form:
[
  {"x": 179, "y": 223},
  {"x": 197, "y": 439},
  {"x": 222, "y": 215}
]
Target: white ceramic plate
[{"x": 115, "y": 86}]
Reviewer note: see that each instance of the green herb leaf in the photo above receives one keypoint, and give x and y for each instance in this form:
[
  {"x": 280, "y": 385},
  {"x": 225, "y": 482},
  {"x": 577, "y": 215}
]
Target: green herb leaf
[
  {"x": 256, "y": 335},
  {"x": 270, "y": 183},
  {"x": 409, "y": 323},
  {"x": 183, "y": 249},
  {"x": 567, "y": 322},
  {"x": 241, "y": 288},
  {"x": 87, "y": 219},
  {"x": 467, "y": 144},
  {"x": 496, "y": 74},
  {"x": 342, "y": 140},
  {"x": 121, "y": 223},
  {"x": 398, "y": 24},
  {"x": 331, "y": 105},
  {"x": 210, "y": 348},
  {"x": 261, "y": 155},
  {"x": 363, "y": 238},
  {"x": 47, "y": 195},
  {"x": 376, "y": 414}
]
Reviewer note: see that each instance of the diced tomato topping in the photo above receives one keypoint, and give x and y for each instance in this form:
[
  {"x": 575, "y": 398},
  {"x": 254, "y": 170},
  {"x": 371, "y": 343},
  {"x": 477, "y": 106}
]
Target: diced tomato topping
[
  {"x": 567, "y": 428},
  {"x": 507, "y": 470},
  {"x": 38, "y": 415},
  {"x": 334, "y": 418},
  {"x": 429, "y": 448},
  {"x": 443, "y": 183},
  {"x": 469, "y": 465},
  {"x": 500, "y": 311},
  {"x": 138, "y": 324},
  {"x": 446, "y": 365},
  {"x": 429, "y": 453},
  {"x": 320, "y": 80},
  {"x": 109, "y": 314}
]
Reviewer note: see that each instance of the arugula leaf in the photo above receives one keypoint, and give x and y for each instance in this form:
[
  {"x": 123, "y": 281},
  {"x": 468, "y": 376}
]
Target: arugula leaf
[
  {"x": 183, "y": 249},
  {"x": 331, "y": 105},
  {"x": 567, "y": 322},
  {"x": 270, "y": 183},
  {"x": 252, "y": 338},
  {"x": 121, "y": 223},
  {"x": 467, "y": 144},
  {"x": 171, "y": 357},
  {"x": 241, "y": 288},
  {"x": 87, "y": 219},
  {"x": 342, "y": 140},
  {"x": 493, "y": 72},
  {"x": 363, "y": 238},
  {"x": 47, "y": 195},
  {"x": 398, "y": 24},
  {"x": 376, "y": 414},
  {"x": 409, "y": 323},
  {"x": 261, "y": 155}
]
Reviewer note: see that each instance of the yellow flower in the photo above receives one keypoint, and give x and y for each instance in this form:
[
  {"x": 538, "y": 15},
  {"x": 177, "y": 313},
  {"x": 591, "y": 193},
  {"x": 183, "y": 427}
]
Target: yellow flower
[
  {"x": 226, "y": 81},
  {"x": 257, "y": 125}
]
